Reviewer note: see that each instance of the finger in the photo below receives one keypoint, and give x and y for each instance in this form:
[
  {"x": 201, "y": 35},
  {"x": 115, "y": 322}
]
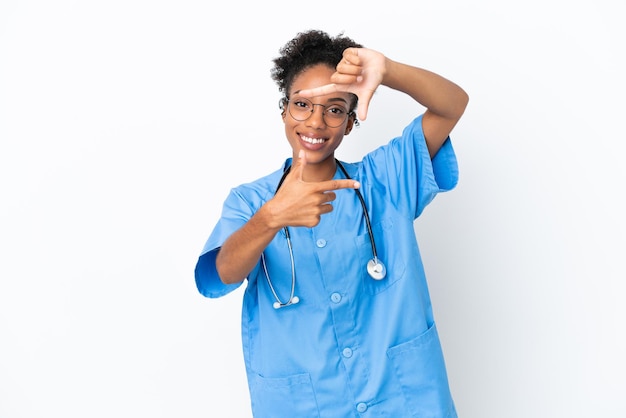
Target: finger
[
  {"x": 351, "y": 55},
  {"x": 326, "y": 208},
  {"x": 297, "y": 167},
  {"x": 318, "y": 91},
  {"x": 353, "y": 51},
  {"x": 328, "y": 197},
  {"x": 347, "y": 67},
  {"x": 364, "y": 101},
  {"x": 347, "y": 81},
  {"x": 338, "y": 184},
  {"x": 362, "y": 107}
]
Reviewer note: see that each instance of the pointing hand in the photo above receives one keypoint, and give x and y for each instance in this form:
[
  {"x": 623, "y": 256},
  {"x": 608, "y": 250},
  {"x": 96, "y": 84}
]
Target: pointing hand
[{"x": 301, "y": 203}]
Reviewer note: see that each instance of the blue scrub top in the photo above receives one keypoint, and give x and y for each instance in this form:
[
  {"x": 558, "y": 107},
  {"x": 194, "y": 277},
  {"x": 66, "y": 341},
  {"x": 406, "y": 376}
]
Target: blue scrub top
[{"x": 352, "y": 346}]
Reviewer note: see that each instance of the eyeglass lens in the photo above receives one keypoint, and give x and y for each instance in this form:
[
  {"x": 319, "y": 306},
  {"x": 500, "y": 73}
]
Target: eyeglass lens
[{"x": 301, "y": 109}]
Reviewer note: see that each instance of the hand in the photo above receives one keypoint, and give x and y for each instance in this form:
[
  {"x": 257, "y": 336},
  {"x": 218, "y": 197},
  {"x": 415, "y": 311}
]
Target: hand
[
  {"x": 360, "y": 71},
  {"x": 300, "y": 203}
]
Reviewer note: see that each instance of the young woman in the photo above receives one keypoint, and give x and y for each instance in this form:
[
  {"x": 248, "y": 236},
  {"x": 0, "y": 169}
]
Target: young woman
[{"x": 337, "y": 319}]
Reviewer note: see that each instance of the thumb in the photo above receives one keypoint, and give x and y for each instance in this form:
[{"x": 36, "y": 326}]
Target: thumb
[
  {"x": 297, "y": 167},
  {"x": 362, "y": 107}
]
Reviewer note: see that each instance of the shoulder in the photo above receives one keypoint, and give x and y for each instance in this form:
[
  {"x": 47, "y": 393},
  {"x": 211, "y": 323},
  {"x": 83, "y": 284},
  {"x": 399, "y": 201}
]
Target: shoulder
[{"x": 259, "y": 190}]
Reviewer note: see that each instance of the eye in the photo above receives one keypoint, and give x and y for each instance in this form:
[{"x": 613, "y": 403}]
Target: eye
[
  {"x": 301, "y": 103},
  {"x": 336, "y": 111}
]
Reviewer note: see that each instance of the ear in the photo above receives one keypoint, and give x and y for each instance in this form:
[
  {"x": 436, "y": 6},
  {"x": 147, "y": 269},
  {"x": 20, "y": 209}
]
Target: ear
[
  {"x": 351, "y": 122},
  {"x": 283, "y": 108}
]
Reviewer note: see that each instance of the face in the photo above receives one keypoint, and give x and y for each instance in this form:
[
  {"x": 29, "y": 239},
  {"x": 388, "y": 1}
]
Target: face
[{"x": 314, "y": 135}]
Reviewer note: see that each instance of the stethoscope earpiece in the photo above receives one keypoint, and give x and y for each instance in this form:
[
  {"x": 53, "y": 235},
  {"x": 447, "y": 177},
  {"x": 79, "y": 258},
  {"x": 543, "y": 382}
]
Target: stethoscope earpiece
[{"x": 292, "y": 301}]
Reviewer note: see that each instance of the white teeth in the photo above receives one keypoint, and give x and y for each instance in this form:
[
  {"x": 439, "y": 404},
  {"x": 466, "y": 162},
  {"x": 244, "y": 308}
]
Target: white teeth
[{"x": 312, "y": 140}]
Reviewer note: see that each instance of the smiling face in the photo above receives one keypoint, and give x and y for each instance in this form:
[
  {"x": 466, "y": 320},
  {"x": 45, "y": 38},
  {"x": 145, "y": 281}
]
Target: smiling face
[{"x": 314, "y": 135}]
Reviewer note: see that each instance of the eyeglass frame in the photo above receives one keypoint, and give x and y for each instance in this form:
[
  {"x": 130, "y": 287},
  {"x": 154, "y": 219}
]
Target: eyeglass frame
[{"x": 283, "y": 104}]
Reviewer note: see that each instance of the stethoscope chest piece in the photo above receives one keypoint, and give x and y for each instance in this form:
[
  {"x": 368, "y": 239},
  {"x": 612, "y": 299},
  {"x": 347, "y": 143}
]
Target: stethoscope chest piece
[{"x": 376, "y": 269}]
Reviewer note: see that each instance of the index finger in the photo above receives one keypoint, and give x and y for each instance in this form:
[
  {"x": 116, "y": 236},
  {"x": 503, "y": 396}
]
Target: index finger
[
  {"x": 318, "y": 91},
  {"x": 338, "y": 184}
]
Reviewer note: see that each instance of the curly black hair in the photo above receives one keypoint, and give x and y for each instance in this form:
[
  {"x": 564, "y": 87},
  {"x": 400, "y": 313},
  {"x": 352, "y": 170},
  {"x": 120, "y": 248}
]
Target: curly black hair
[{"x": 306, "y": 50}]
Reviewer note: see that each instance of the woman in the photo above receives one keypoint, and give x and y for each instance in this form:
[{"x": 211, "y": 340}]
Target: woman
[{"x": 337, "y": 320}]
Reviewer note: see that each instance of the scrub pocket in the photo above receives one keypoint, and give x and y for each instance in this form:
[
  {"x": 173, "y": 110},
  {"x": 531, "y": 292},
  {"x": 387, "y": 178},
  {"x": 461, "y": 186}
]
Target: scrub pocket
[
  {"x": 393, "y": 262},
  {"x": 421, "y": 371},
  {"x": 274, "y": 397}
]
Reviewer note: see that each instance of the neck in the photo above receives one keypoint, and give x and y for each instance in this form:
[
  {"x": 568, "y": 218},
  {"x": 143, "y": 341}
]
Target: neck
[{"x": 322, "y": 171}]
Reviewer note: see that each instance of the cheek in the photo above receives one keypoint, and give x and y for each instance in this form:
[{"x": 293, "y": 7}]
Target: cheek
[{"x": 338, "y": 140}]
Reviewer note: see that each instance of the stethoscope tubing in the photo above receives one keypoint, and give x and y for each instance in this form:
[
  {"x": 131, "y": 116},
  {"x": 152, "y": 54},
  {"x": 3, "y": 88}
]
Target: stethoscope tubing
[
  {"x": 368, "y": 224},
  {"x": 375, "y": 268}
]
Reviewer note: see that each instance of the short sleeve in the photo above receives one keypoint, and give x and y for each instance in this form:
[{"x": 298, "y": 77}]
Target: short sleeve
[
  {"x": 404, "y": 172},
  {"x": 235, "y": 213},
  {"x": 207, "y": 280}
]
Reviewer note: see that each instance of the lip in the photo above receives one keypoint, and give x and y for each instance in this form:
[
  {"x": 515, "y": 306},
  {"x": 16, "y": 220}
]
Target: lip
[{"x": 312, "y": 142}]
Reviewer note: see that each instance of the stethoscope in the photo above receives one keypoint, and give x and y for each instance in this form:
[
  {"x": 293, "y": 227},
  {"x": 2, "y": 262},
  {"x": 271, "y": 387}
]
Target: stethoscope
[{"x": 375, "y": 268}]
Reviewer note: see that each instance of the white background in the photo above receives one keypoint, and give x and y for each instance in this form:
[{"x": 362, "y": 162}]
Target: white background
[{"x": 123, "y": 124}]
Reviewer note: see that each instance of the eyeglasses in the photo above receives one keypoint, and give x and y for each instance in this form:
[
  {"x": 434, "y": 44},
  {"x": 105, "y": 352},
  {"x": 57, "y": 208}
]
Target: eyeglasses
[{"x": 301, "y": 109}]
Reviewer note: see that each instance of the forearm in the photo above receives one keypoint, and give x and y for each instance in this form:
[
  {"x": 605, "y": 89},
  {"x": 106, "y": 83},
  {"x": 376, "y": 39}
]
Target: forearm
[
  {"x": 436, "y": 93},
  {"x": 242, "y": 250},
  {"x": 444, "y": 101}
]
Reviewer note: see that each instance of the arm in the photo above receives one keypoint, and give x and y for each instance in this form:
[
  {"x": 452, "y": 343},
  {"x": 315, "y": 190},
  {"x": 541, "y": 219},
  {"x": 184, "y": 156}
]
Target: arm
[
  {"x": 362, "y": 70},
  {"x": 297, "y": 203},
  {"x": 445, "y": 102},
  {"x": 241, "y": 251}
]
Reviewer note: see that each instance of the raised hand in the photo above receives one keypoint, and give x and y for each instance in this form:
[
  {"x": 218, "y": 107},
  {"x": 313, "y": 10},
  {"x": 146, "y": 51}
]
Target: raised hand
[
  {"x": 301, "y": 203},
  {"x": 360, "y": 71}
]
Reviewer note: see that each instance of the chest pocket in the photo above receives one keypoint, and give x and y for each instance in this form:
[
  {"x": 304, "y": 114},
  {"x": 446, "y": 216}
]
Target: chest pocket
[{"x": 390, "y": 253}]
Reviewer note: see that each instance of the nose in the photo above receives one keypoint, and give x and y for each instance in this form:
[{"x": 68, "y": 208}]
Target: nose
[{"x": 317, "y": 117}]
